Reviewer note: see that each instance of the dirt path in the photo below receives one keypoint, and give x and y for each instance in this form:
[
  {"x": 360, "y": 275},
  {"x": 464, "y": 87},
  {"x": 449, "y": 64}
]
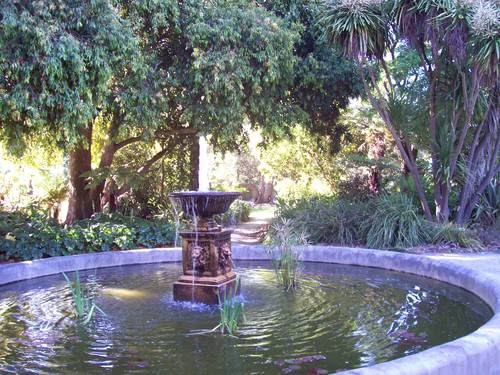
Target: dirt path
[{"x": 254, "y": 230}]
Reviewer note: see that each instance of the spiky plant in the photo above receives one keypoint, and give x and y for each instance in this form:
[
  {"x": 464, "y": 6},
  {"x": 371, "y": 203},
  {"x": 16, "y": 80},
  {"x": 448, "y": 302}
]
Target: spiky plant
[
  {"x": 359, "y": 26},
  {"x": 230, "y": 310},
  {"x": 395, "y": 223},
  {"x": 83, "y": 302},
  {"x": 450, "y": 233},
  {"x": 283, "y": 242}
]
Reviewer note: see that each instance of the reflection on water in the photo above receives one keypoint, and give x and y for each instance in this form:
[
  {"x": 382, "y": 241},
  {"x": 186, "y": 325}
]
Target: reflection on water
[{"x": 341, "y": 317}]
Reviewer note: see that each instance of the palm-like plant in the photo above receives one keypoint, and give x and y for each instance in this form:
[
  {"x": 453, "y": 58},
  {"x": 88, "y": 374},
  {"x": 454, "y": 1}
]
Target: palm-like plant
[
  {"x": 485, "y": 24},
  {"x": 359, "y": 26},
  {"x": 456, "y": 41}
]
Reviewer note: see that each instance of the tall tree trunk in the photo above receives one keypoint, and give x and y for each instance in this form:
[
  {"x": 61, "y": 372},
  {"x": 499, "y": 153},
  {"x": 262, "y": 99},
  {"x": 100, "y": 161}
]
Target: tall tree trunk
[
  {"x": 406, "y": 156},
  {"x": 194, "y": 163},
  {"x": 80, "y": 202},
  {"x": 441, "y": 199},
  {"x": 376, "y": 150},
  {"x": 405, "y": 169},
  {"x": 96, "y": 193}
]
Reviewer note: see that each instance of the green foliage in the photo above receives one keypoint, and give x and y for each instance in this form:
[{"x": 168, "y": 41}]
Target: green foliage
[
  {"x": 385, "y": 222},
  {"x": 233, "y": 60},
  {"x": 324, "y": 80},
  {"x": 283, "y": 242},
  {"x": 237, "y": 213},
  {"x": 325, "y": 219},
  {"x": 449, "y": 233},
  {"x": 360, "y": 28},
  {"x": 31, "y": 235},
  {"x": 57, "y": 60},
  {"x": 231, "y": 310},
  {"x": 395, "y": 222},
  {"x": 488, "y": 208},
  {"x": 432, "y": 63},
  {"x": 83, "y": 301}
]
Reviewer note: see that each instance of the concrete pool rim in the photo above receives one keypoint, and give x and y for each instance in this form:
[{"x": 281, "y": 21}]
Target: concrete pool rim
[{"x": 476, "y": 353}]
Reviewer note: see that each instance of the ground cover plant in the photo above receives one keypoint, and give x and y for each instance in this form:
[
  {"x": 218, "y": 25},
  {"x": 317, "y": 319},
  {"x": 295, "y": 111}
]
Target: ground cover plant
[{"x": 30, "y": 234}]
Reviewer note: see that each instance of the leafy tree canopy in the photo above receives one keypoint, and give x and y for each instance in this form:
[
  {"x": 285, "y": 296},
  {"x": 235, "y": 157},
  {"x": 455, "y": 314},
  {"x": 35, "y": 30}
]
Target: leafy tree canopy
[
  {"x": 324, "y": 80},
  {"x": 57, "y": 59}
]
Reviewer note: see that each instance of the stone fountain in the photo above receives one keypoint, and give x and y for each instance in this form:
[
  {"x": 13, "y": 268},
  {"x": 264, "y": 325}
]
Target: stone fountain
[{"x": 206, "y": 247}]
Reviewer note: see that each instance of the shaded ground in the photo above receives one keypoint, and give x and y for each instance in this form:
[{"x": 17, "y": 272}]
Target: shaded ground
[{"x": 254, "y": 230}]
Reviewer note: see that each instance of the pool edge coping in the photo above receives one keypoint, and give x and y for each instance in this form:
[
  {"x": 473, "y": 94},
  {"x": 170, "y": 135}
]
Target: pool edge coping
[{"x": 476, "y": 353}]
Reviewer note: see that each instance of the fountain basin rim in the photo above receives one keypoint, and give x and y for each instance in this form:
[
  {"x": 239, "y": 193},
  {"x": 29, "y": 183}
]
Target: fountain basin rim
[{"x": 476, "y": 353}]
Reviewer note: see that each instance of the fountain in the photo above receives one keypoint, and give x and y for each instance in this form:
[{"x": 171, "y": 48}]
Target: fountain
[{"x": 206, "y": 247}]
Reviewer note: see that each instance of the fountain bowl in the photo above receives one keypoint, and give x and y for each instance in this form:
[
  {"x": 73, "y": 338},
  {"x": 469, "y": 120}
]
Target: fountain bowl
[{"x": 204, "y": 204}]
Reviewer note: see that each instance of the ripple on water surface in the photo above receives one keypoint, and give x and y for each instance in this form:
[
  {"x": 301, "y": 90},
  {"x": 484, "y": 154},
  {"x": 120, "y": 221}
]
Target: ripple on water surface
[{"x": 341, "y": 317}]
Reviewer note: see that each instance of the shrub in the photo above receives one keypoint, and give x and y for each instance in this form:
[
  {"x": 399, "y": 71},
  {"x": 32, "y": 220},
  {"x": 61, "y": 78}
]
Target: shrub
[
  {"x": 30, "y": 234},
  {"x": 449, "y": 233},
  {"x": 395, "y": 222},
  {"x": 237, "y": 213},
  {"x": 383, "y": 222},
  {"x": 487, "y": 210},
  {"x": 326, "y": 219}
]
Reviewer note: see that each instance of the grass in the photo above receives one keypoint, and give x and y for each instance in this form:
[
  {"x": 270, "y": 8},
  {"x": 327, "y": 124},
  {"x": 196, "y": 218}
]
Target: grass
[{"x": 84, "y": 304}]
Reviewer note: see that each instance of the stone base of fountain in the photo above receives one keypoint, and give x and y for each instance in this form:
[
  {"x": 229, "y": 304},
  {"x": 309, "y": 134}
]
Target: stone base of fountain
[
  {"x": 207, "y": 267},
  {"x": 206, "y": 290}
]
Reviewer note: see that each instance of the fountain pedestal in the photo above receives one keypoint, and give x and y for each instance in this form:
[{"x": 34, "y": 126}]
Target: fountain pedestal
[
  {"x": 206, "y": 265},
  {"x": 206, "y": 249}
]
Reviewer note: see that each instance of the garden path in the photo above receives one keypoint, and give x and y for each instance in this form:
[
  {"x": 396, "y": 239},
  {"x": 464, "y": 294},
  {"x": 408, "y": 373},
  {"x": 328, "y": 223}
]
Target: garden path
[{"x": 255, "y": 229}]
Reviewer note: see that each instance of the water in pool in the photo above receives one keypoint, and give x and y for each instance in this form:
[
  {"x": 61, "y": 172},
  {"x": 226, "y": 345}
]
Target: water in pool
[{"x": 341, "y": 317}]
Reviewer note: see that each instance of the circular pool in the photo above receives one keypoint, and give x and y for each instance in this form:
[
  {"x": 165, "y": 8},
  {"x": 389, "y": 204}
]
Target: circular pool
[{"x": 341, "y": 317}]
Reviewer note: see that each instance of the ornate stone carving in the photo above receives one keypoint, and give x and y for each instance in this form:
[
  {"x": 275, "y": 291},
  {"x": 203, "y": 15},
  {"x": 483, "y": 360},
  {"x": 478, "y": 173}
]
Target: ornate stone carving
[
  {"x": 200, "y": 257},
  {"x": 224, "y": 252}
]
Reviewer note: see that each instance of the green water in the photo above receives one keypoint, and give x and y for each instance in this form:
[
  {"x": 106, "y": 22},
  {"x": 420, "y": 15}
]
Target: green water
[{"x": 342, "y": 317}]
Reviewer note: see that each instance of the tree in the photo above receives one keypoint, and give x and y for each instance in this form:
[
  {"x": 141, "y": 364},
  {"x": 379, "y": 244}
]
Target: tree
[
  {"x": 458, "y": 47},
  {"x": 57, "y": 60},
  {"x": 142, "y": 71},
  {"x": 217, "y": 67},
  {"x": 324, "y": 80},
  {"x": 98, "y": 77}
]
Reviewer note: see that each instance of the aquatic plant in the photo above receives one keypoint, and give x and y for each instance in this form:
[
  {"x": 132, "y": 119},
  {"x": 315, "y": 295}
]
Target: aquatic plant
[
  {"x": 283, "y": 243},
  {"x": 230, "y": 310},
  {"x": 83, "y": 302}
]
